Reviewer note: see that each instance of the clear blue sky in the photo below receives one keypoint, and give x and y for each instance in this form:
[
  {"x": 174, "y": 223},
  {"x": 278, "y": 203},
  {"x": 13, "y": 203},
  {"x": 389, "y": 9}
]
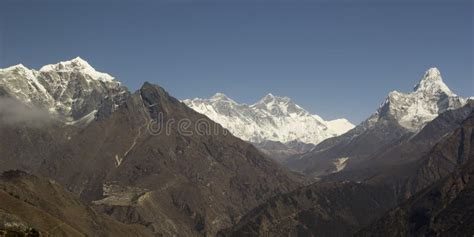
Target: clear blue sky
[{"x": 334, "y": 58}]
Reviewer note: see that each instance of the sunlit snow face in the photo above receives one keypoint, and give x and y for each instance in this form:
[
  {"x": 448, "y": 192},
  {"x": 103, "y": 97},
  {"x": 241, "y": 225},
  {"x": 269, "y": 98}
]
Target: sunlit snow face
[
  {"x": 272, "y": 118},
  {"x": 429, "y": 98},
  {"x": 71, "y": 90}
]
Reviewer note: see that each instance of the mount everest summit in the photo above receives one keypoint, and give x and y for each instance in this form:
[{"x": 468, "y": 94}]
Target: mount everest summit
[{"x": 273, "y": 118}]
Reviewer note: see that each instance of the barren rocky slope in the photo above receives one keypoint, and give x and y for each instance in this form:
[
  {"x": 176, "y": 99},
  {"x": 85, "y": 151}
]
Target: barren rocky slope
[
  {"x": 172, "y": 182},
  {"x": 41, "y": 207}
]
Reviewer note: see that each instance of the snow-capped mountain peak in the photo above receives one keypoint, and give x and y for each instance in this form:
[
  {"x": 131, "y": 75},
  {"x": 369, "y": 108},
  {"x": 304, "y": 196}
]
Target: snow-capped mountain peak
[
  {"x": 431, "y": 96},
  {"x": 432, "y": 73},
  {"x": 221, "y": 97},
  {"x": 432, "y": 83},
  {"x": 19, "y": 69},
  {"x": 272, "y": 118},
  {"x": 71, "y": 90},
  {"x": 271, "y": 99},
  {"x": 279, "y": 106},
  {"x": 77, "y": 65},
  {"x": 14, "y": 67}
]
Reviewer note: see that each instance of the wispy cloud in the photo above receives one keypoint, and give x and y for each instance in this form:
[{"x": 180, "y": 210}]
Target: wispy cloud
[{"x": 14, "y": 112}]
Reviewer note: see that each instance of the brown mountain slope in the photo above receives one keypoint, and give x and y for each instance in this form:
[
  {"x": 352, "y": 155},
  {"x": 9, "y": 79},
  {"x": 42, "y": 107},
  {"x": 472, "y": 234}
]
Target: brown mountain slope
[
  {"x": 321, "y": 209},
  {"x": 34, "y": 205},
  {"x": 444, "y": 209},
  {"x": 448, "y": 155},
  {"x": 360, "y": 144},
  {"x": 174, "y": 183},
  {"x": 451, "y": 152}
]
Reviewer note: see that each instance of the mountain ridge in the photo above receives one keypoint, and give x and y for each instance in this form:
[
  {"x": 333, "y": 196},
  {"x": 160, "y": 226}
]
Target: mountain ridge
[{"x": 272, "y": 118}]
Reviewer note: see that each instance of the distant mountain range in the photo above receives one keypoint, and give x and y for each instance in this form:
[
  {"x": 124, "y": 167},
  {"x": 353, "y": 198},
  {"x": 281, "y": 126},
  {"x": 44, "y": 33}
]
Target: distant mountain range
[
  {"x": 273, "y": 118},
  {"x": 74, "y": 91}
]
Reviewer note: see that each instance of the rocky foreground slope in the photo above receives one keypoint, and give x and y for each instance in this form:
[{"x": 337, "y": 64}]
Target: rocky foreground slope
[{"x": 33, "y": 206}]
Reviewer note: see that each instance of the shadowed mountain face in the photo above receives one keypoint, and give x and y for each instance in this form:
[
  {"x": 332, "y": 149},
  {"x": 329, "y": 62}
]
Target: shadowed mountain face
[
  {"x": 446, "y": 156},
  {"x": 281, "y": 152},
  {"x": 445, "y": 208},
  {"x": 321, "y": 209},
  {"x": 36, "y": 206},
  {"x": 358, "y": 144},
  {"x": 451, "y": 152},
  {"x": 171, "y": 181}
]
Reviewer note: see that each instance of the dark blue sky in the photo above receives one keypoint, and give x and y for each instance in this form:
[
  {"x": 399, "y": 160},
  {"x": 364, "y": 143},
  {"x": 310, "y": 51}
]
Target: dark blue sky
[{"x": 334, "y": 58}]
